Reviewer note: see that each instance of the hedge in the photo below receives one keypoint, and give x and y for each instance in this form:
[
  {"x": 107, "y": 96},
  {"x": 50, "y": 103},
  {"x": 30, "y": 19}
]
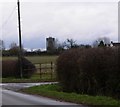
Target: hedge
[
  {"x": 10, "y": 68},
  {"x": 93, "y": 71}
]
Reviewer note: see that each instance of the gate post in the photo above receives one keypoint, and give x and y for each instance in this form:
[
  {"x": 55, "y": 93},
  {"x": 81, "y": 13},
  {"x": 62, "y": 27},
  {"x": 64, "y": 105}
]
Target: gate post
[
  {"x": 51, "y": 70},
  {"x": 40, "y": 71}
]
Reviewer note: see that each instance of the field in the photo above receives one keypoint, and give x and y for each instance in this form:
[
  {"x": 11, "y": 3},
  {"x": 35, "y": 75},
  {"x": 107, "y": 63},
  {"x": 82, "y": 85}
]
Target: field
[
  {"x": 36, "y": 59},
  {"x": 40, "y": 75}
]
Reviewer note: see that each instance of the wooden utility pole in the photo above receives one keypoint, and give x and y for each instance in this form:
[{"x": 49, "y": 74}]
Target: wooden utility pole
[{"x": 20, "y": 44}]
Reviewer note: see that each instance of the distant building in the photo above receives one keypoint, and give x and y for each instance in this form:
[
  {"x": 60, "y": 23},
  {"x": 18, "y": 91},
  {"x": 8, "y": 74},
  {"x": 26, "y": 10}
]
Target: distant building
[
  {"x": 50, "y": 44},
  {"x": 117, "y": 44}
]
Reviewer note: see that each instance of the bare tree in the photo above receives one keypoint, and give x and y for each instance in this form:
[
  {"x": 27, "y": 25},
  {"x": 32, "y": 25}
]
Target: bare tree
[
  {"x": 14, "y": 49},
  {"x": 70, "y": 43},
  {"x": 102, "y": 40},
  {"x": 13, "y": 45}
]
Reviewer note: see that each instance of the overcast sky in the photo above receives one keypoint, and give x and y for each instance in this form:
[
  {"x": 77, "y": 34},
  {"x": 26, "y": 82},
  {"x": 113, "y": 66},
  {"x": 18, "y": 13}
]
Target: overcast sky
[{"x": 81, "y": 20}]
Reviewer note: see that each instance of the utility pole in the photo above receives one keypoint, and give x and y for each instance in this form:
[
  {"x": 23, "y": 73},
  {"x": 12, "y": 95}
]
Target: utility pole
[{"x": 20, "y": 44}]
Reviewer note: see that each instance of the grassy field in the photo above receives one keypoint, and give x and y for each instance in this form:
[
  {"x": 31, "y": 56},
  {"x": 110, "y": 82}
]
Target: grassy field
[
  {"x": 36, "y": 59},
  {"x": 54, "y": 91},
  {"x": 45, "y": 73}
]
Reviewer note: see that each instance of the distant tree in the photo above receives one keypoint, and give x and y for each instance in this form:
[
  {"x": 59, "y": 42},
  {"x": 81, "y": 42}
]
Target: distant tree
[
  {"x": 107, "y": 41},
  {"x": 56, "y": 43},
  {"x": 101, "y": 41},
  {"x": 101, "y": 44},
  {"x": 38, "y": 51},
  {"x": 70, "y": 43},
  {"x": 87, "y": 46},
  {"x": 95, "y": 43},
  {"x": 14, "y": 49},
  {"x": 60, "y": 47},
  {"x": 13, "y": 45},
  {"x": 84, "y": 46}
]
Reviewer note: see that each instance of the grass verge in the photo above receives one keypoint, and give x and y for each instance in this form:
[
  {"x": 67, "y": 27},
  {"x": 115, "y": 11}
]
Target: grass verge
[
  {"x": 53, "y": 91},
  {"x": 13, "y": 80},
  {"x": 35, "y": 78}
]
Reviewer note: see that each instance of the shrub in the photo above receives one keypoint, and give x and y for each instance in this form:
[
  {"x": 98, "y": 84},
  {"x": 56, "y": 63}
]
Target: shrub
[
  {"x": 10, "y": 68},
  {"x": 68, "y": 70},
  {"x": 90, "y": 71},
  {"x": 99, "y": 66}
]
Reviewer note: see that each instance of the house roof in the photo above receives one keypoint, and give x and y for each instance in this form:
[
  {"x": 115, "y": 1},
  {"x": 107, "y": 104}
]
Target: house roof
[{"x": 116, "y": 44}]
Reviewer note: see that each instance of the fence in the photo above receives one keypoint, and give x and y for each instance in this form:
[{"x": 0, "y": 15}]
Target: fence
[{"x": 45, "y": 71}]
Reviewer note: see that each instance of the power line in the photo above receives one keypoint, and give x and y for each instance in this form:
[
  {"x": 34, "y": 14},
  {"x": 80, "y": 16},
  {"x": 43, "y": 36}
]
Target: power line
[{"x": 7, "y": 20}]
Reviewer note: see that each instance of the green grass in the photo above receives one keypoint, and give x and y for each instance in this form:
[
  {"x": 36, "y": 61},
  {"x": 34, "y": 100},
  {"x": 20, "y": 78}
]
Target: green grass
[
  {"x": 14, "y": 80},
  {"x": 53, "y": 91},
  {"x": 35, "y": 78},
  {"x": 9, "y": 58}
]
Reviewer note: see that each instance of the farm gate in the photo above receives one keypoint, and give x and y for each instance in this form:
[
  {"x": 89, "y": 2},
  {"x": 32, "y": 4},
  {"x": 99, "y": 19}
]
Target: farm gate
[{"x": 45, "y": 71}]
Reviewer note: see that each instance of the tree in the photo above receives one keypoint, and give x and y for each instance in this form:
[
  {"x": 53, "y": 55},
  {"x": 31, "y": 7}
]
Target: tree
[
  {"x": 70, "y": 43},
  {"x": 14, "y": 49},
  {"x": 60, "y": 47},
  {"x": 57, "y": 43},
  {"x": 13, "y": 45},
  {"x": 95, "y": 43},
  {"x": 101, "y": 41},
  {"x": 84, "y": 46},
  {"x": 101, "y": 44}
]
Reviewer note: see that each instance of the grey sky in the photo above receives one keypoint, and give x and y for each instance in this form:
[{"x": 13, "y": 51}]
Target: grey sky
[{"x": 82, "y": 21}]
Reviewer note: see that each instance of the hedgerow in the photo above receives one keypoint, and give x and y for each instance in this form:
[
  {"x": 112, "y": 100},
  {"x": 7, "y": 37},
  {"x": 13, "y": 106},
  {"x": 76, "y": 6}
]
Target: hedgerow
[
  {"x": 93, "y": 71},
  {"x": 10, "y": 68}
]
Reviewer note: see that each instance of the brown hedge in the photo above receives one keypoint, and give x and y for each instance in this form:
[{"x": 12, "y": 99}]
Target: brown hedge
[
  {"x": 94, "y": 71},
  {"x": 10, "y": 68}
]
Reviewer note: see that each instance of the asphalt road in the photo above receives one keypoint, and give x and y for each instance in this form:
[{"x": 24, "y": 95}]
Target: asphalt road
[
  {"x": 11, "y": 98},
  {"x": 18, "y": 86},
  {"x": 15, "y": 98}
]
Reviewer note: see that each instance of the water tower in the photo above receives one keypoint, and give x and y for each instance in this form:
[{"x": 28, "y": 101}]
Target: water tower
[{"x": 50, "y": 44}]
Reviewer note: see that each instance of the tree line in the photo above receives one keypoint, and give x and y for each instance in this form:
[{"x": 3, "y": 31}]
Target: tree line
[{"x": 59, "y": 48}]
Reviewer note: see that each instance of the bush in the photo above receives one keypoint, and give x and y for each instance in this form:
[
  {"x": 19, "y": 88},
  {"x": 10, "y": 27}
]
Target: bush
[
  {"x": 10, "y": 68},
  {"x": 90, "y": 71},
  {"x": 68, "y": 70}
]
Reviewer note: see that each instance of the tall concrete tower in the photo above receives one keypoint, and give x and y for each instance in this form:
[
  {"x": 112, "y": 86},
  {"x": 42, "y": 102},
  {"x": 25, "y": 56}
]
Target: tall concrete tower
[{"x": 50, "y": 44}]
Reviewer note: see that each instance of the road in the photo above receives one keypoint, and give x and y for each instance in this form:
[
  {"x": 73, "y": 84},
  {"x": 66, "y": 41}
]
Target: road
[
  {"x": 10, "y": 97},
  {"x": 18, "y": 86},
  {"x": 14, "y": 98}
]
